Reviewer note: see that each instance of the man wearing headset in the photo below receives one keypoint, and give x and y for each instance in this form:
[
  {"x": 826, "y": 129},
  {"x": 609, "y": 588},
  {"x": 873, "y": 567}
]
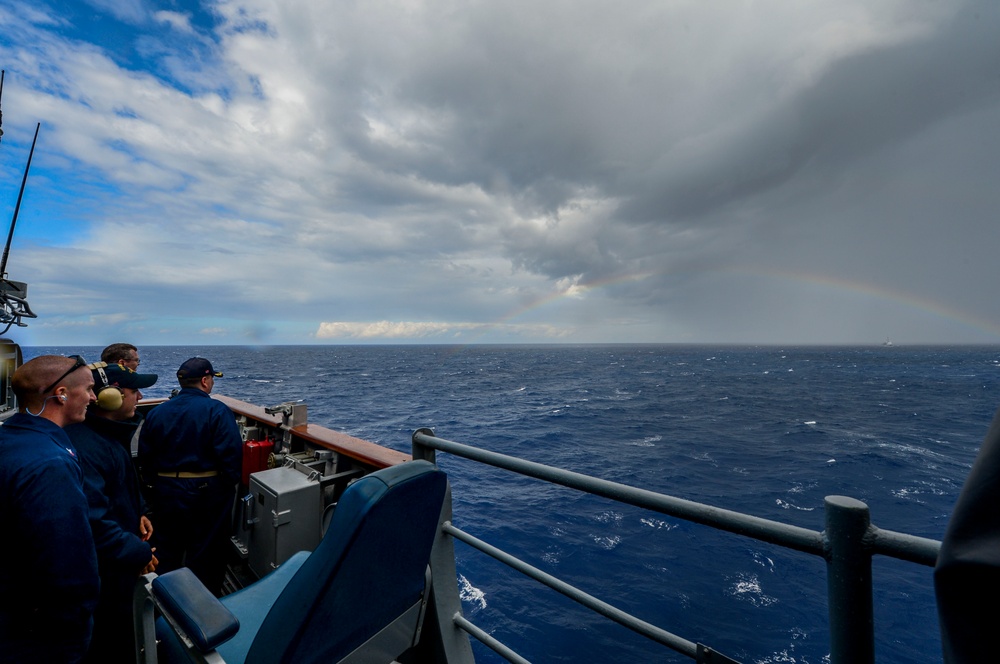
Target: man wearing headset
[
  {"x": 48, "y": 566},
  {"x": 117, "y": 511}
]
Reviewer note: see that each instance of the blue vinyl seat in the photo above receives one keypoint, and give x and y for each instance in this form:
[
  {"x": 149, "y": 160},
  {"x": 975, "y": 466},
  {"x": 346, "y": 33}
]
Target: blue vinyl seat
[{"x": 359, "y": 597}]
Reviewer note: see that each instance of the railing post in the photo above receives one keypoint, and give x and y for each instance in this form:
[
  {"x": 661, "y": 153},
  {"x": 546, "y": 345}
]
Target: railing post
[
  {"x": 421, "y": 451},
  {"x": 849, "y": 581}
]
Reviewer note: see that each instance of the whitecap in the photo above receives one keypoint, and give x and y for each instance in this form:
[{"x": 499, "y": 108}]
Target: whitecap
[
  {"x": 608, "y": 543},
  {"x": 784, "y": 504},
  {"x": 763, "y": 561},
  {"x": 777, "y": 658},
  {"x": 469, "y": 593},
  {"x": 747, "y": 588},
  {"x": 657, "y": 524},
  {"x": 551, "y": 557},
  {"x": 648, "y": 441},
  {"x": 911, "y": 493},
  {"x": 610, "y": 517}
]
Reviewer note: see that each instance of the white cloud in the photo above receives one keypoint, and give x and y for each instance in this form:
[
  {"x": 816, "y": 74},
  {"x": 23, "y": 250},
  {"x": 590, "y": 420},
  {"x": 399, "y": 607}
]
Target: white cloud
[
  {"x": 104, "y": 320},
  {"x": 591, "y": 173},
  {"x": 130, "y": 11},
  {"x": 422, "y": 330},
  {"x": 176, "y": 20}
]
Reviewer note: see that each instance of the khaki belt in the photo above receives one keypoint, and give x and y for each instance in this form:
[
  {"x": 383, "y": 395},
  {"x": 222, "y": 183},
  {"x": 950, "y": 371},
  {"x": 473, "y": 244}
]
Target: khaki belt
[{"x": 186, "y": 475}]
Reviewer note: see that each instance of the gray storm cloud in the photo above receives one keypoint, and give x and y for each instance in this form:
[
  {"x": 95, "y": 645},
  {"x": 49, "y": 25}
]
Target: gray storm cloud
[{"x": 770, "y": 172}]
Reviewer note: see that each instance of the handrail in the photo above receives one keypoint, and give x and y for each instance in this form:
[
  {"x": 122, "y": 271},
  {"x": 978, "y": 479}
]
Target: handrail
[
  {"x": 847, "y": 544},
  {"x": 653, "y": 632}
]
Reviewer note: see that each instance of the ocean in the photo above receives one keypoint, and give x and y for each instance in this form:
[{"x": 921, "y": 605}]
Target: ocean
[{"x": 768, "y": 431}]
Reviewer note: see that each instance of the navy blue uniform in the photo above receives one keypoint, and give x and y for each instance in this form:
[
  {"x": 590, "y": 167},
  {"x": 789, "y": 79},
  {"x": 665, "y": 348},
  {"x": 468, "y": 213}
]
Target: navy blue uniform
[
  {"x": 112, "y": 489},
  {"x": 48, "y": 567},
  {"x": 192, "y": 433}
]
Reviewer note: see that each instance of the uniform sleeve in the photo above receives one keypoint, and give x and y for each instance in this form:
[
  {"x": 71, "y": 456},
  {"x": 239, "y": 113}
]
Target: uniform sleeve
[
  {"x": 114, "y": 544},
  {"x": 56, "y": 537}
]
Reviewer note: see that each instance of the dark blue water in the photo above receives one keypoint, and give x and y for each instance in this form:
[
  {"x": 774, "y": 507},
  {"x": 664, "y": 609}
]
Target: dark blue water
[{"x": 767, "y": 431}]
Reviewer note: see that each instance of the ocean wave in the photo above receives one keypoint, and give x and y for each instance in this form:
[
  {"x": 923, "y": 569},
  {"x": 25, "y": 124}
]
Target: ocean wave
[
  {"x": 911, "y": 493},
  {"x": 788, "y": 655},
  {"x": 611, "y": 517},
  {"x": 648, "y": 441},
  {"x": 763, "y": 560},
  {"x": 746, "y": 587},
  {"x": 552, "y": 557},
  {"x": 785, "y": 505},
  {"x": 657, "y": 524},
  {"x": 469, "y": 593}
]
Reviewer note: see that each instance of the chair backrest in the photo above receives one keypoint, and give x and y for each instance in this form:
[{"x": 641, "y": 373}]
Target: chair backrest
[{"x": 368, "y": 570}]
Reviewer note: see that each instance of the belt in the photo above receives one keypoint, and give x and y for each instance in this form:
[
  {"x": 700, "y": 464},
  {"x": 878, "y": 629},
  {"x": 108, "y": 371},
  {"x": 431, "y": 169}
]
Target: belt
[{"x": 186, "y": 475}]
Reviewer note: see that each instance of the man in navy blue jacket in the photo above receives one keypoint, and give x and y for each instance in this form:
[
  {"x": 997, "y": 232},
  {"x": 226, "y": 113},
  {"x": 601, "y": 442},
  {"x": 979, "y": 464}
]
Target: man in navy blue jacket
[
  {"x": 191, "y": 454},
  {"x": 117, "y": 510},
  {"x": 48, "y": 567}
]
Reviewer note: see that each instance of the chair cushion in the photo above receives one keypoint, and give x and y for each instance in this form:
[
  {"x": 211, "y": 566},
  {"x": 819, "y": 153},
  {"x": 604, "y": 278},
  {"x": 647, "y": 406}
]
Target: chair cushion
[{"x": 198, "y": 612}]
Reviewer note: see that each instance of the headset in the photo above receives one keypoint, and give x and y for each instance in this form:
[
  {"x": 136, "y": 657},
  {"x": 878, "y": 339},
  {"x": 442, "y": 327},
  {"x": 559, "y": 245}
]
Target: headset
[{"x": 109, "y": 397}]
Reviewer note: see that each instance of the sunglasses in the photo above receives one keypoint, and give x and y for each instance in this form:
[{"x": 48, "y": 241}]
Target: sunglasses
[{"x": 80, "y": 362}]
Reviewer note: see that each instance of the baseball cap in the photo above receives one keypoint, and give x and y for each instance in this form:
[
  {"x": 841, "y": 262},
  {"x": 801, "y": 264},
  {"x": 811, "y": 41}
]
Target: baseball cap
[
  {"x": 197, "y": 367},
  {"x": 120, "y": 376}
]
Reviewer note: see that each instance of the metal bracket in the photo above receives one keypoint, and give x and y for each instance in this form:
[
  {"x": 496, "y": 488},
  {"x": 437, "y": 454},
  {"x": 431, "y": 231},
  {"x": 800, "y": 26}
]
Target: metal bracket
[{"x": 708, "y": 656}]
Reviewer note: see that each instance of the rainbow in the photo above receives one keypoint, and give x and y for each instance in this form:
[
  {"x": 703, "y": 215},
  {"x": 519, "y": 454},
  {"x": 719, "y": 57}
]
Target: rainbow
[{"x": 903, "y": 298}]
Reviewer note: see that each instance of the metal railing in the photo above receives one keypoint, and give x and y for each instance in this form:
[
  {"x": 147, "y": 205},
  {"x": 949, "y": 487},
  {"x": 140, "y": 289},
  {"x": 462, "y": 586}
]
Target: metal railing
[{"x": 847, "y": 544}]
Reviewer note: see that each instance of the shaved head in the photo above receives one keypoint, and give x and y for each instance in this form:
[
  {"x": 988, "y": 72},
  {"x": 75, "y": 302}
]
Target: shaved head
[
  {"x": 54, "y": 387},
  {"x": 35, "y": 375}
]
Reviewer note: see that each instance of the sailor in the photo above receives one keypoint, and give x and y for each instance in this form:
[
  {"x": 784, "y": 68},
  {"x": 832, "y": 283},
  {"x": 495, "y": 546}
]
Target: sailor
[
  {"x": 126, "y": 356},
  {"x": 48, "y": 567},
  {"x": 190, "y": 452},
  {"x": 967, "y": 575},
  {"x": 117, "y": 511},
  {"x": 121, "y": 353}
]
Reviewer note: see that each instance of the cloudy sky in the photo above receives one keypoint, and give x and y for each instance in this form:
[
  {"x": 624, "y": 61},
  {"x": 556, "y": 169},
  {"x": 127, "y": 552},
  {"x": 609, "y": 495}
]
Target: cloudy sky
[{"x": 327, "y": 171}]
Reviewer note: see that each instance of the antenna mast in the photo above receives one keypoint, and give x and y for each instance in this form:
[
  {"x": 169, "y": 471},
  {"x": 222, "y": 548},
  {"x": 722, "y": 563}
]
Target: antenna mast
[
  {"x": 14, "y": 294},
  {"x": 2, "y": 73}
]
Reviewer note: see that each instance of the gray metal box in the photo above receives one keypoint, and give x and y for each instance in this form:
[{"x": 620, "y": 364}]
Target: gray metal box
[{"x": 287, "y": 512}]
